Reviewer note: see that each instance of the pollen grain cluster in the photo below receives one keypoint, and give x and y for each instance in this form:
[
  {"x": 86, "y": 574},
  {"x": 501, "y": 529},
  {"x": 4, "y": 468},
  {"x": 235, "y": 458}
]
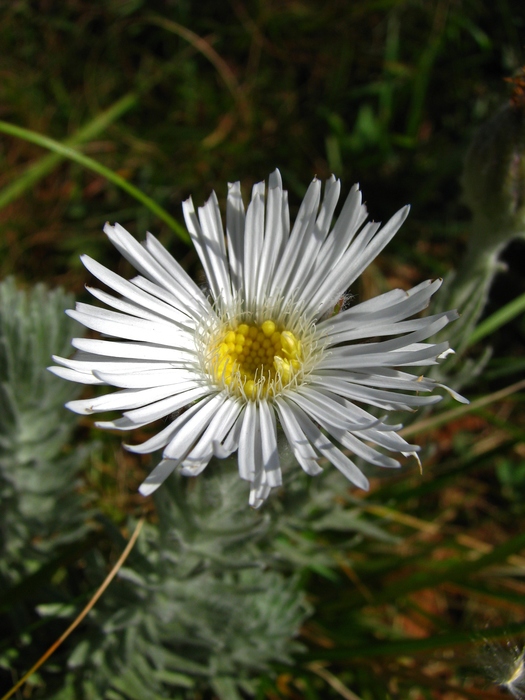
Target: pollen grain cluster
[{"x": 255, "y": 360}]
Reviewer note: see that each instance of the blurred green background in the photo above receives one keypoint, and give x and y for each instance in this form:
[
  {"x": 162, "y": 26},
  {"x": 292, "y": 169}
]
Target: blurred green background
[
  {"x": 385, "y": 93},
  {"x": 179, "y": 98}
]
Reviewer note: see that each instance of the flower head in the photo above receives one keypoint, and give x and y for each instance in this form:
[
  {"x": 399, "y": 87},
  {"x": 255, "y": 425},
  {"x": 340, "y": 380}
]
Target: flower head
[{"x": 266, "y": 346}]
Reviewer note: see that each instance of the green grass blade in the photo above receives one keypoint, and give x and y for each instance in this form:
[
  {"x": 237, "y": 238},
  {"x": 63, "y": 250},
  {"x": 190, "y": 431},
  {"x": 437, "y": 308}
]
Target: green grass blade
[
  {"x": 516, "y": 599},
  {"x": 45, "y": 165},
  {"x": 455, "y": 570},
  {"x": 404, "y": 647},
  {"x": 433, "y": 422},
  {"x": 70, "y": 153},
  {"x": 497, "y": 319}
]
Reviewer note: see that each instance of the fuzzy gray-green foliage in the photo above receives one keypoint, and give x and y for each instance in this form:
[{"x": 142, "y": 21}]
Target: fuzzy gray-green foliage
[
  {"x": 196, "y": 606},
  {"x": 40, "y": 507},
  {"x": 211, "y": 596}
]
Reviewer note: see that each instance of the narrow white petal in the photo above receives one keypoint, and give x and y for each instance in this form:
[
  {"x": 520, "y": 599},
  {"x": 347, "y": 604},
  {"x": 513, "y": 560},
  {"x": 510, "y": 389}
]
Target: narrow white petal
[
  {"x": 454, "y": 394},
  {"x": 313, "y": 241},
  {"x": 163, "y": 408},
  {"x": 304, "y": 224},
  {"x": 303, "y": 451},
  {"x": 351, "y": 385},
  {"x": 122, "y": 400},
  {"x": 253, "y": 243},
  {"x": 132, "y": 293},
  {"x": 390, "y": 307},
  {"x": 194, "y": 306},
  {"x": 352, "y": 264},
  {"x": 133, "y": 309},
  {"x": 387, "y": 400},
  {"x": 88, "y": 363},
  {"x": 342, "y": 434},
  {"x": 72, "y": 375},
  {"x": 217, "y": 429},
  {"x": 350, "y": 332},
  {"x": 410, "y": 356},
  {"x": 189, "y": 433},
  {"x": 132, "y": 351},
  {"x": 366, "y": 452},
  {"x": 274, "y": 237},
  {"x": 164, "y": 436},
  {"x": 140, "y": 258},
  {"x": 348, "y": 224},
  {"x": 350, "y": 220},
  {"x": 142, "y": 379},
  {"x": 117, "y": 424},
  {"x": 270, "y": 453},
  {"x": 214, "y": 246},
  {"x": 231, "y": 442},
  {"x": 235, "y": 218},
  {"x": 158, "y": 476},
  {"x": 320, "y": 407},
  {"x": 426, "y": 330},
  {"x": 360, "y": 419},
  {"x": 259, "y": 492},
  {"x": 384, "y": 378},
  {"x": 127, "y": 327},
  {"x": 190, "y": 292},
  {"x": 247, "y": 466},
  {"x": 329, "y": 450},
  {"x": 209, "y": 244}
]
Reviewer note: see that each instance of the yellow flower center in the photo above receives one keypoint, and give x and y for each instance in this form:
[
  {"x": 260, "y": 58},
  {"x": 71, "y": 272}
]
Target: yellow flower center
[{"x": 255, "y": 361}]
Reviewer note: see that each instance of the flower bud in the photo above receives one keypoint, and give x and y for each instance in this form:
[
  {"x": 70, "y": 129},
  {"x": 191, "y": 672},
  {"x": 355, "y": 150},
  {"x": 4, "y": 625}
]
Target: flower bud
[{"x": 494, "y": 174}]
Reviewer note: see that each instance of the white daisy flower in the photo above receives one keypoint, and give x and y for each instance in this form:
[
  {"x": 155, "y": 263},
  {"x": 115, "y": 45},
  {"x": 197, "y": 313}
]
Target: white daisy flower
[{"x": 265, "y": 346}]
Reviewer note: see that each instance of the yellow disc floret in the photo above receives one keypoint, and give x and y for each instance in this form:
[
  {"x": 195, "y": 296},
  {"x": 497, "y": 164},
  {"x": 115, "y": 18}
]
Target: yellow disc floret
[{"x": 255, "y": 360}]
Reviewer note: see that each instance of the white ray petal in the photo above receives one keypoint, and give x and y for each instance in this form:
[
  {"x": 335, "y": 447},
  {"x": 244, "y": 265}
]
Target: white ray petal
[
  {"x": 163, "y": 408},
  {"x": 308, "y": 259},
  {"x": 270, "y": 453},
  {"x": 303, "y": 451},
  {"x": 247, "y": 438},
  {"x": 190, "y": 292},
  {"x": 142, "y": 379},
  {"x": 354, "y": 332},
  {"x": 141, "y": 259},
  {"x": 218, "y": 428},
  {"x": 158, "y": 476},
  {"x": 132, "y": 351},
  {"x": 214, "y": 245},
  {"x": 124, "y": 400},
  {"x": 329, "y": 450},
  {"x": 127, "y": 327},
  {"x": 190, "y": 432},
  {"x": 73, "y": 375},
  {"x": 231, "y": 442},
  {"x": 137, "y": 296},
  {"x": 352, "y": 264},
  {"x": 253, "y": 243},
  {"x": 162, "y": 438},
  {"x": 410, "y": 356},
  {"x": 235, "y": 219},
  {"x": 275, "y": 237},
  {"x": 304, "y": 222}
]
